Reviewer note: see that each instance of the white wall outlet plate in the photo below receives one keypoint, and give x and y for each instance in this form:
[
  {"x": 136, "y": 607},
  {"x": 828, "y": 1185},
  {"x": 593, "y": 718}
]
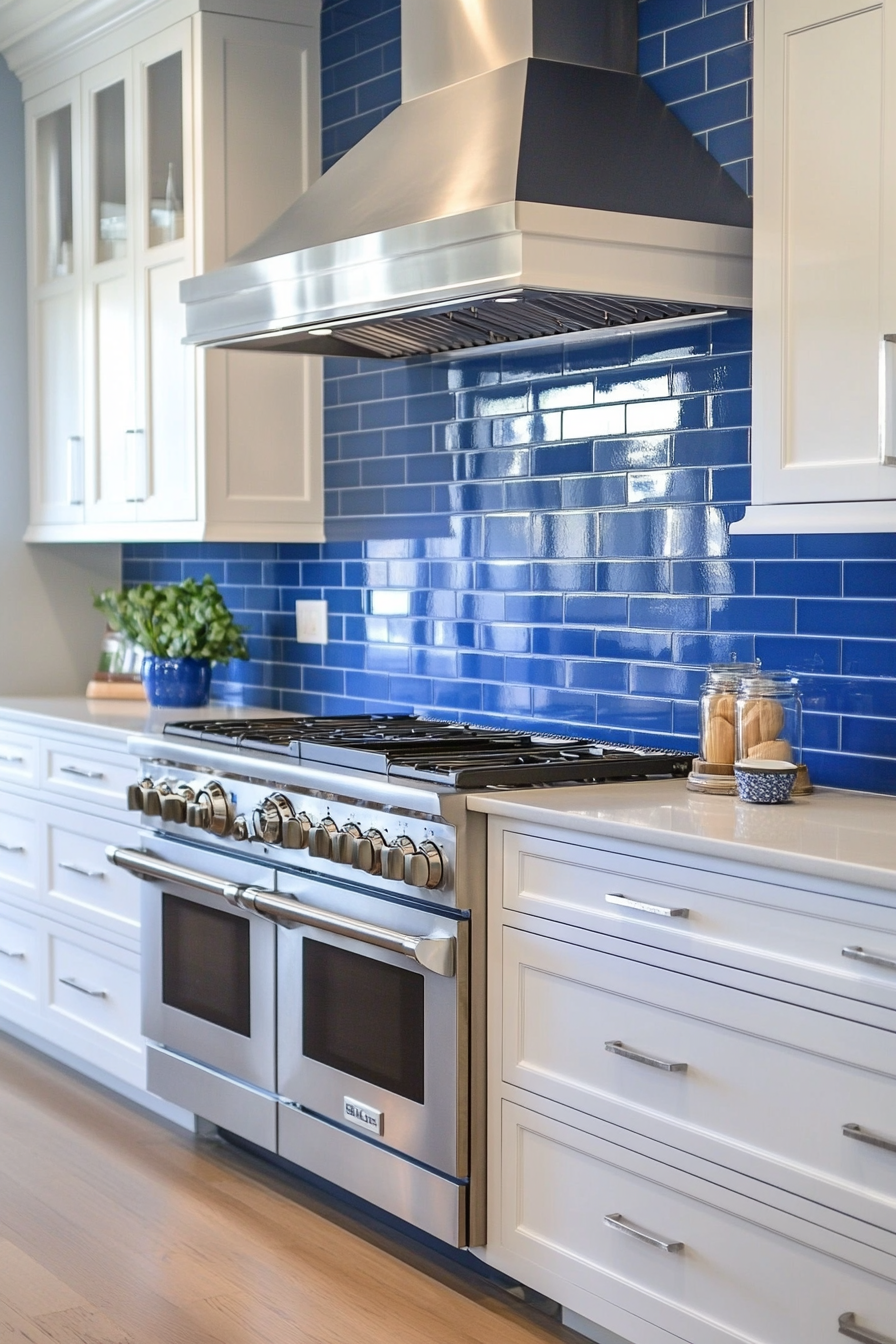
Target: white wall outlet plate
[{"x": 311, "y": 622}]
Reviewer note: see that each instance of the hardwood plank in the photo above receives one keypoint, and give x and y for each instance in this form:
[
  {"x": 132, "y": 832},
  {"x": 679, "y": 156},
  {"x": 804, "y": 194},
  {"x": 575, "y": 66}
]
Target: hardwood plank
[
  {"x": 134, "y": 1232},
  {"x": 29, "y": 1287}
]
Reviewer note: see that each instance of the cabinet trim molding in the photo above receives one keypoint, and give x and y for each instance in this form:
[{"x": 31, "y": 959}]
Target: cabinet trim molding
[{"x": 868, "y": 515}]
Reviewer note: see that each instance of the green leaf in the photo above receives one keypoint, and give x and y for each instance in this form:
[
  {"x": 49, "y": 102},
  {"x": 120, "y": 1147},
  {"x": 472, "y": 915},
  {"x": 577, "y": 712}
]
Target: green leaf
[{"x": 182, "y": 620}]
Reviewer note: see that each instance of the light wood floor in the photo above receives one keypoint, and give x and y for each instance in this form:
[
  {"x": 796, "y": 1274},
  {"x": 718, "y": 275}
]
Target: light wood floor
[{"x": 116, "y": 1228}]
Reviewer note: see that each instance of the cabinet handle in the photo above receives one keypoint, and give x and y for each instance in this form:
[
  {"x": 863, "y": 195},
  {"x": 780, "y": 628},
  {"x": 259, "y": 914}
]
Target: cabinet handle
[
  {"x": 138, "y": 471},
  {"x": 13, "y": 956},
  {"x": 618, "y": 1048},
  {"x": 74, "y": 462},
  {"x": 847, "y": 1326},
  {"x": 866, "y": 1136},
  {"x": 12, "y": 849},
  {"x": 668, "y": 912},
  {"x": 83, "y": 872},
  {"x": 12, "y": 760},
  {"x": 81, "y": 774},
  {"x": 869, "y": 958},
  {"x": 619, "y": 1224},
  {"x": 82, "y": 989}
]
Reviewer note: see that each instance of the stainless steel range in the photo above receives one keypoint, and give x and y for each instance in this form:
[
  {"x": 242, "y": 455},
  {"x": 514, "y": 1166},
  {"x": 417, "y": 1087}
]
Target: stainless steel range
[{"x": 313, "y": 900}]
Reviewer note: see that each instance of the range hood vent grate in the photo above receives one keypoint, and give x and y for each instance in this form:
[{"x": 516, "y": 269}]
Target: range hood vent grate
[{"x": 491, "y": 322}]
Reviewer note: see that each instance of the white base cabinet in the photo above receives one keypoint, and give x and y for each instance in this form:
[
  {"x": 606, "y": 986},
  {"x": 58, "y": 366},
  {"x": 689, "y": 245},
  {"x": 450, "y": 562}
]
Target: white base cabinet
[
  {"x": 161, "y": 139},
  {"x": 692, "y": 1093},
  {"x": 69, "y": 921}
]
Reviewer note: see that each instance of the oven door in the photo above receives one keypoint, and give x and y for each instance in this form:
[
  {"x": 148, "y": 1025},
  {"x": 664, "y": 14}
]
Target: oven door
[
  {"x": 208, "y": 968},
  {"x": 371, "y": 1039}
]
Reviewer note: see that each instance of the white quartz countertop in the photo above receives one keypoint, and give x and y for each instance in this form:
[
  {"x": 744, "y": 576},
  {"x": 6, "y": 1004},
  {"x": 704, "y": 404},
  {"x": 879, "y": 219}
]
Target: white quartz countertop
[
  {"x": 833, "y": 833},
  {"x": 116, "y": 719}
]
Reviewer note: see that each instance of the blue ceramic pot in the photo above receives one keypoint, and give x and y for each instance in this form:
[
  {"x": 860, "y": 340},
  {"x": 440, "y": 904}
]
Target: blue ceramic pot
[
  {"x": 176, "y": 683},
  {"x": 764, "y": 781}
]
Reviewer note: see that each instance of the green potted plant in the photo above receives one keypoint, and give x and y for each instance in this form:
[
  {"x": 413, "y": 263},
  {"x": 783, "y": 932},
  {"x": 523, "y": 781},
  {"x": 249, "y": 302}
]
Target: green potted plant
[{"x": 184, "y": 628}]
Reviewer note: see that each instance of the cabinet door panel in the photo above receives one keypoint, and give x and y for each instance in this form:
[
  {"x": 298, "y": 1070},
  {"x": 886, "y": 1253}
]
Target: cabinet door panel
[
  {"x": 818, "y": 234},
  {"x": 170, "y": 396},
  {"x": 116, "y": 447}
]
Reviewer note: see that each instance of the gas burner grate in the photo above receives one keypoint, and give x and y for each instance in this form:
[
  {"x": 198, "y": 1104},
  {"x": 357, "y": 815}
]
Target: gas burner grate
[{"x": 573, "y": 764}]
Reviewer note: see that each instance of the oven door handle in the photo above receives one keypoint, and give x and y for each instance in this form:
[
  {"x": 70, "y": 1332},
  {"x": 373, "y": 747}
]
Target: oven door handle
[
  {"x": 438, "y": 954},
  {"x": 435, "y": 954}
]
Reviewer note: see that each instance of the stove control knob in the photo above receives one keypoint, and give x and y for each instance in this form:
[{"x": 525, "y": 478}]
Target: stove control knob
[
  {"x": 212, "y": 811},
  {"x": 393, "y": 856},
  {"x": 137, "y": 794},
  {"x": 152, "y": 799},
  {"x": 295, "y": 832},
  {"x": 321, "y": 838},
  {"x": 426, "y": 867},
  {"x": 174, "y": 805},
  {"x": 342, "y": 848},
  {"x": 270, "y": 818},
  {"x": 240, "y": 829},
  {"x": 367, "y": 852}
]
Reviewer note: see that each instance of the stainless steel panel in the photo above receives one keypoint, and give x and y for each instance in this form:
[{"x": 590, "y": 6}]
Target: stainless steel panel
[
  {"x": 420, "y": 1197},
  {"x": 436, "y": 1132},
  {"x": 253, "y": 1057},
  {"x": 246, "y": 1111}
]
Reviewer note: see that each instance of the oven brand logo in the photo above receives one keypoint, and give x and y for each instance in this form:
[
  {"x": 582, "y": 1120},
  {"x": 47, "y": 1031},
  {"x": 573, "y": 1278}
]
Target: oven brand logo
[{"x": 363, "y": 1116}]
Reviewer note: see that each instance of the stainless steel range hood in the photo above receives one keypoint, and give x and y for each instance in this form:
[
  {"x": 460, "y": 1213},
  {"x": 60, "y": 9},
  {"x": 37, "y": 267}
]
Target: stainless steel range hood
[{"x": 530, "y": 184}]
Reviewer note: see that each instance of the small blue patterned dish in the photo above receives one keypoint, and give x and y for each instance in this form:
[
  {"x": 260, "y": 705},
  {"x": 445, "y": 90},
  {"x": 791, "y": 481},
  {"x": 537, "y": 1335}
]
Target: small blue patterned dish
[{"x": 765, "y": 781}]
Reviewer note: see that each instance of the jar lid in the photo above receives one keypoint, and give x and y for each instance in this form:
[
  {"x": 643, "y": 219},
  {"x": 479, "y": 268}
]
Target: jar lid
[{"x": 726, "y": 676}]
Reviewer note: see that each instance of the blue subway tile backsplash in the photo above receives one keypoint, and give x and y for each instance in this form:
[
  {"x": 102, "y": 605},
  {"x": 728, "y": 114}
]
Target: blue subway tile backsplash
[{"x": 540, "y": 535}]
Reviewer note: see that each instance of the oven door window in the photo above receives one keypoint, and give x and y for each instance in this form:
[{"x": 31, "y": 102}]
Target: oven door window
[
  {"x": 205, "y": 963},
  {"x": 364, "y": 1017}
]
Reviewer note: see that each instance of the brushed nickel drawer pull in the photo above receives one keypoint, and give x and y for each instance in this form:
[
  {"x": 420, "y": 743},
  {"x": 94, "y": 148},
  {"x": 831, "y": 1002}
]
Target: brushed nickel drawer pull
[
  {"x": 11, "y": 849},
  {"x": 82, "y": 774},
  {"x": 618, "y": 1048},
  {"x": 13, "y": 956},
  {"x": 12, "y": 760},
  {"x": 82, "y": 872},
  {"x": 82, "y": 989},
  {"x": 620, "y": 1224},
  {"x": 869, "y": 958},
  {"x": 866, "y": 1136},
  {"x": 847, "y": 1326},
  {"x": 668, "y": 912}
]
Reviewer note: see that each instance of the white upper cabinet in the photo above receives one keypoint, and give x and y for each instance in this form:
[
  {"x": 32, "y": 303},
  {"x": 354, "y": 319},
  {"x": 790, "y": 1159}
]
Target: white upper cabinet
[
  {"x": 154, "y": 154},
  {"x": 824, "y": 375}
]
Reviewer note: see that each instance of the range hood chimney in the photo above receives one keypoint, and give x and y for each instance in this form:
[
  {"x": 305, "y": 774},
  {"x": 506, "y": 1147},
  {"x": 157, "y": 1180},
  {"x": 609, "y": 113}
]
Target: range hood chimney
[{"x": 530, "y": 184}]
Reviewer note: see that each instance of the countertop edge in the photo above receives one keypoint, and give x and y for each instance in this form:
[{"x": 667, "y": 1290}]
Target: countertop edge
[{"x": 807, "y": 865}]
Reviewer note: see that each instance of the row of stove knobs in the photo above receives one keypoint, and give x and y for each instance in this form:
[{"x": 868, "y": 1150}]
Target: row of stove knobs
[{"x": 275, "y": 822}]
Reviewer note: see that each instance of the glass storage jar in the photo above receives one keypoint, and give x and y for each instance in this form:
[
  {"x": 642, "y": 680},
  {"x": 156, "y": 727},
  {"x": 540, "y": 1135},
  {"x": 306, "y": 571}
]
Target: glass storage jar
[
  {"x": 718, "y": 698},
  {"x": 769, "y": 718}
]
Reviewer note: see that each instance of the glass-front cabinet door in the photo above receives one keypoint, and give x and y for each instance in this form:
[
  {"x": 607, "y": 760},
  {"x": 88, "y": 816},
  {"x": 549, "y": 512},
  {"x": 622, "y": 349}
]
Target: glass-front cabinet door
[
  {"x": 166, "y": 368},
  {"x": 114, "y": 457},
  {"x": 55, "y": 327}
]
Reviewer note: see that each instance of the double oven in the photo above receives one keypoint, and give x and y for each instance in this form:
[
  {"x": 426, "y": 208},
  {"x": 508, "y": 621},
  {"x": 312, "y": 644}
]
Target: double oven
[{"x": 318, "y": 1011}]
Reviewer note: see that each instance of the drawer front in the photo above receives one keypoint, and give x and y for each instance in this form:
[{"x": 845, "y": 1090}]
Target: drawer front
[
  {"x": 19, "y": 958},
  {"x": 80, "y": 880},
  {"x": 18, "y": 758},
  {"x": 19, "y": 829},
  {"x": 93, "y": 989},
  {"x": 93, "y": 776},
  {"x": 727, "y": 1278},
  {"x": 782, "y": 931},
  {"x": 726, "y": 1074}
]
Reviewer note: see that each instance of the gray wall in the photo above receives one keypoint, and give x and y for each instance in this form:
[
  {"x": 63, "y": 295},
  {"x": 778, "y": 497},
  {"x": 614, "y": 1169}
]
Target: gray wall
[{"x": 49, "y": 634}]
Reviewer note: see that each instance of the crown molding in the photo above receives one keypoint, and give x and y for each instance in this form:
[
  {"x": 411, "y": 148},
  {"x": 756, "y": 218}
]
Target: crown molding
[{"x": 33, "y": 32}]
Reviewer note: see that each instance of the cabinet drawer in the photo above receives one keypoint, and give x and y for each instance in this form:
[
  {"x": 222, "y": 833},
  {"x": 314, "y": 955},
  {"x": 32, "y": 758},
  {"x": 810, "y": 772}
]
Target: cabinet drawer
[
  {"x": 781, "y": 931},
  {"x": 18, "y": 758},
  {"x": 19, "y": 844},
  {"x": 19, "y": 958},
  {"x": 729, "y": 1278},
  {"x": 80, "y": 880},
  {"x": 93, "y": 992},
  {"x": 94, "y": 776},
  {"x": 762, "y": 1087}
]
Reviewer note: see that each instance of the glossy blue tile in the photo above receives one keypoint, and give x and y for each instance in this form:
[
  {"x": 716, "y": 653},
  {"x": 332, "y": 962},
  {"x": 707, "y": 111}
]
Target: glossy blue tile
[
  {"x": 631, "y": 385},
  {"x": 798, "y": 654},
  {"x": 640, "y": 451},
  {"x": 821, "y": 732},
  {"x": 493, "y": 402},
  {"x": 543, "y": 493},
  {"x": 568, "y": 459},
  {"x": 634, "y": 576},
  {"x": 598, "y": 675},
  {"x": 873, "y": 620},
  {"x": 500, "y": 638},
  {"x": 542, "y": 427},
  {"x": 597, "y": 609},
  {"x": 680, "y": 81},
  {"x": 656, "y": 15},
  {"x": 713, "y": 576},
  {"x": 851, "y": 546},
  {"x": 667, "y": 682},
  {"x": 565, "y": 706},
  {"x": 668, "y": 613},
  {"x": 684, "y": 486},
  {"x": 563, "y": 576},
  {"x": 557, "y": 396},
  {"x": 729, "y": 65},
  {"x": 731, "y": 142},
  {"x": 729, "y": 485},
  {"x": 727, "y": 409},
  {"x": 535, "y": 671},
  {"x": 706, "y": 34},
  {"x": 794, "y": 578},
  {"x": 873, "y": 578},
  {"x": 704, "y": 649},
  {"x": 634, "y": 644},
  {"x": 768, "y": 615},
  {"x": 630, "y": 711},
  {"x": 563, "y": 643},
  {"x": 732, "y": 334},
  {"x": 480, "y": 666},
  {"x": 670, "y": 344},
  {"x": 602, "y": 353}
]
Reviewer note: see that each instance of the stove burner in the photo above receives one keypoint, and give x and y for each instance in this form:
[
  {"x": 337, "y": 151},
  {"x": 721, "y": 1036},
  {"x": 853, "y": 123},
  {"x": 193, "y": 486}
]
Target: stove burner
[{"x": 458, "y": 755}]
